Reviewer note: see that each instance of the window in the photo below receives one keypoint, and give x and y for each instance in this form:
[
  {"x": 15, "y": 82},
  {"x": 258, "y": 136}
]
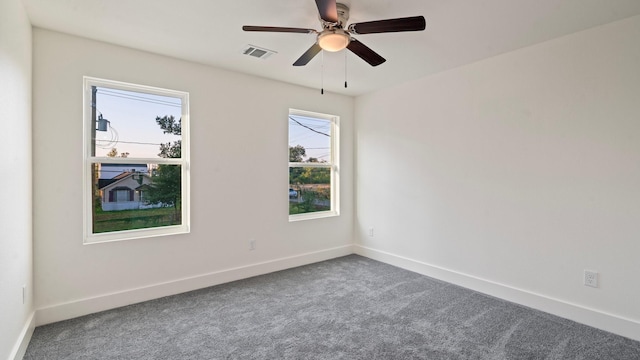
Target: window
[
  {"x": 136, "y": 161},
  {"x": 313, "y": 165}
]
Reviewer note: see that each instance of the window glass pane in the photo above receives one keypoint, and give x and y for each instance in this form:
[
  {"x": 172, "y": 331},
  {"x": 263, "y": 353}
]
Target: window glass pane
[
  {"x": 135, "y": 196},
  {"x": 309, "y": 189},
  {"x": 135, "y": 124},
  {"x": 309, "y": 139}
]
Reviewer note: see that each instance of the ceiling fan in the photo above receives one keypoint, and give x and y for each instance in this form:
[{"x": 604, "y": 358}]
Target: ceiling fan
[{"x": 335, "y": 35}]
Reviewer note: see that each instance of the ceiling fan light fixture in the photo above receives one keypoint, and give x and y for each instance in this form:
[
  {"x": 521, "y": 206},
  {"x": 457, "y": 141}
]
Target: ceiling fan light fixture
[{"x": 333, "y": 40}]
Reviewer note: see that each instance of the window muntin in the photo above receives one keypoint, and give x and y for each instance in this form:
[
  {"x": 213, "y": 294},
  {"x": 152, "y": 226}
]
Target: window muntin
[
  {"x": 313, "y": 165},
  {"x": 136, "y": 161}
]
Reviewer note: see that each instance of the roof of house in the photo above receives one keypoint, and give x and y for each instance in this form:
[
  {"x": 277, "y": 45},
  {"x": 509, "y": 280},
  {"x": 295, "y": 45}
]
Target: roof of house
[{"x": 102, "y": 183}]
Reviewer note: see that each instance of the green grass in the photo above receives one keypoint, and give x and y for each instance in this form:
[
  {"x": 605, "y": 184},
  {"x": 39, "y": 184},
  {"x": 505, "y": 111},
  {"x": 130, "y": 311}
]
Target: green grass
[
  {"x": 300, "y": 208},
  {"x": 106, "y": 221}
]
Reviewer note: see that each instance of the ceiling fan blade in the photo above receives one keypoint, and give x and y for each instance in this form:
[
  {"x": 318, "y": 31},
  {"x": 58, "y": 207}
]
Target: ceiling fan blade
[
  {"x": 278, "y": 29},
  {"x": 365, "y": 53},
  {"x": 328, "y": 10},
  {"x": 308, "y": 55},
  {"x": 415, "y": 23}
]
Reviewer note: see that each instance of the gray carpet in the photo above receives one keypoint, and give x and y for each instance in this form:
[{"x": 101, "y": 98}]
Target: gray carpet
[{"x": 346, "y": 308}]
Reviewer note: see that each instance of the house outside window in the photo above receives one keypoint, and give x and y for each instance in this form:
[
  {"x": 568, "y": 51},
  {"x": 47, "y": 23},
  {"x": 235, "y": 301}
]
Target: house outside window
[
  {"x": 136, "y": 160},
  {"x": 313, "y": 165}
]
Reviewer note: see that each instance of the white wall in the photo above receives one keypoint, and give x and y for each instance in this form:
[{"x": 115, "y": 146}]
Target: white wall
[
  {"x": 15, "y": 179},
  {"x": 514, "y": 174},
  {"x": 239, "y": 181}
]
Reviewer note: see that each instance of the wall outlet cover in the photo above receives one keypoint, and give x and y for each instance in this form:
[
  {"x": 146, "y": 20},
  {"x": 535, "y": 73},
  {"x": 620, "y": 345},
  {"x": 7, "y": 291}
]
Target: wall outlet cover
[{"x": 591, "y": 278}]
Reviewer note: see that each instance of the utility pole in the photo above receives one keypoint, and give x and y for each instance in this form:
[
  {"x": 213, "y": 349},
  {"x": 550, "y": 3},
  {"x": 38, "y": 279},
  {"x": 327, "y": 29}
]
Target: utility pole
[
  {"x": 94, "y": 166},
  {"x": 94, "y": 90}
]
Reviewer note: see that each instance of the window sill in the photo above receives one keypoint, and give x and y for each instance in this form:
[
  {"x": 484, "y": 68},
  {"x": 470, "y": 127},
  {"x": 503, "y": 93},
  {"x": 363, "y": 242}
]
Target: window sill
[
  {"x": 313, "y": 215},
  {"x": 135, "y": 234}
]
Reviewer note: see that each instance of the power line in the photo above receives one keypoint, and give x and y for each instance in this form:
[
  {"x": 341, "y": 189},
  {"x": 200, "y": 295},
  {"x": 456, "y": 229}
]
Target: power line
[
  {"x": 131, "y": 142},
  {"x": 307, "y": 127},
  {"x": 142, "y": 99},
  {"x": 147, "y": 101},
  {"x": 319, "y": 127},
  {"x": 308, "y": 119},
  {"x": 133, "y": 95}
]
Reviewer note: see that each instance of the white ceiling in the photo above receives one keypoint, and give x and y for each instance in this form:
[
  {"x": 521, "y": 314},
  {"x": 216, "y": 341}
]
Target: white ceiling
[{"x": 210, "y": 32}]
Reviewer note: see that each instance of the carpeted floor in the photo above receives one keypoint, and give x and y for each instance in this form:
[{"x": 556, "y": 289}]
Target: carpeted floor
[{"x": 346, "y": 308}]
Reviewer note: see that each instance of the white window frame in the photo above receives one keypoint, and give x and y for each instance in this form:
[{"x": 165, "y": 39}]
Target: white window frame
[
  {"x": 89, "y": 159},
  {"x": 333, "y": 165}
]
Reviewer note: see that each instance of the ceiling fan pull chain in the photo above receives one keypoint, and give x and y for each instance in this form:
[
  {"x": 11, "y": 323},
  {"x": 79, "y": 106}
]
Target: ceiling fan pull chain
[
  {"x": 322, "y": 74},
  {"x": 345, "y": 69}
]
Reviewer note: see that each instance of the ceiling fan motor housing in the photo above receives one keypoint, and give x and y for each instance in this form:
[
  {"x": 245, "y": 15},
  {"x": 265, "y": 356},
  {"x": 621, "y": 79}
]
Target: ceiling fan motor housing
[{"x": 343, "y": 14}]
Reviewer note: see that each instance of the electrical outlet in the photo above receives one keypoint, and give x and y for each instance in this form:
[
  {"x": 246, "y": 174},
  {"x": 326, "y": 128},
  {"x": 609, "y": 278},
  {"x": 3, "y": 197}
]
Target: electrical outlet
[
  {"x": 371, "y": 232},
  {"x": 252, "y": 244},
  {"x": 591, "y": 278}
]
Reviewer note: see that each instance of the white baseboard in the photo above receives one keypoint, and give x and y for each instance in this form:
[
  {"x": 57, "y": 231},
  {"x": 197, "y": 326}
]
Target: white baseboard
[
  {"x": 87, "y": 306},
  {"x": 20, "y": 347},
  {"x": 591, "y": 317}
]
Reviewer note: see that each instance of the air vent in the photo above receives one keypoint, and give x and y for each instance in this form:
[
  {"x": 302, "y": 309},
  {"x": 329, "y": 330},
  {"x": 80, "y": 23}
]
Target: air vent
[{"x": 257, "y": 52}]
